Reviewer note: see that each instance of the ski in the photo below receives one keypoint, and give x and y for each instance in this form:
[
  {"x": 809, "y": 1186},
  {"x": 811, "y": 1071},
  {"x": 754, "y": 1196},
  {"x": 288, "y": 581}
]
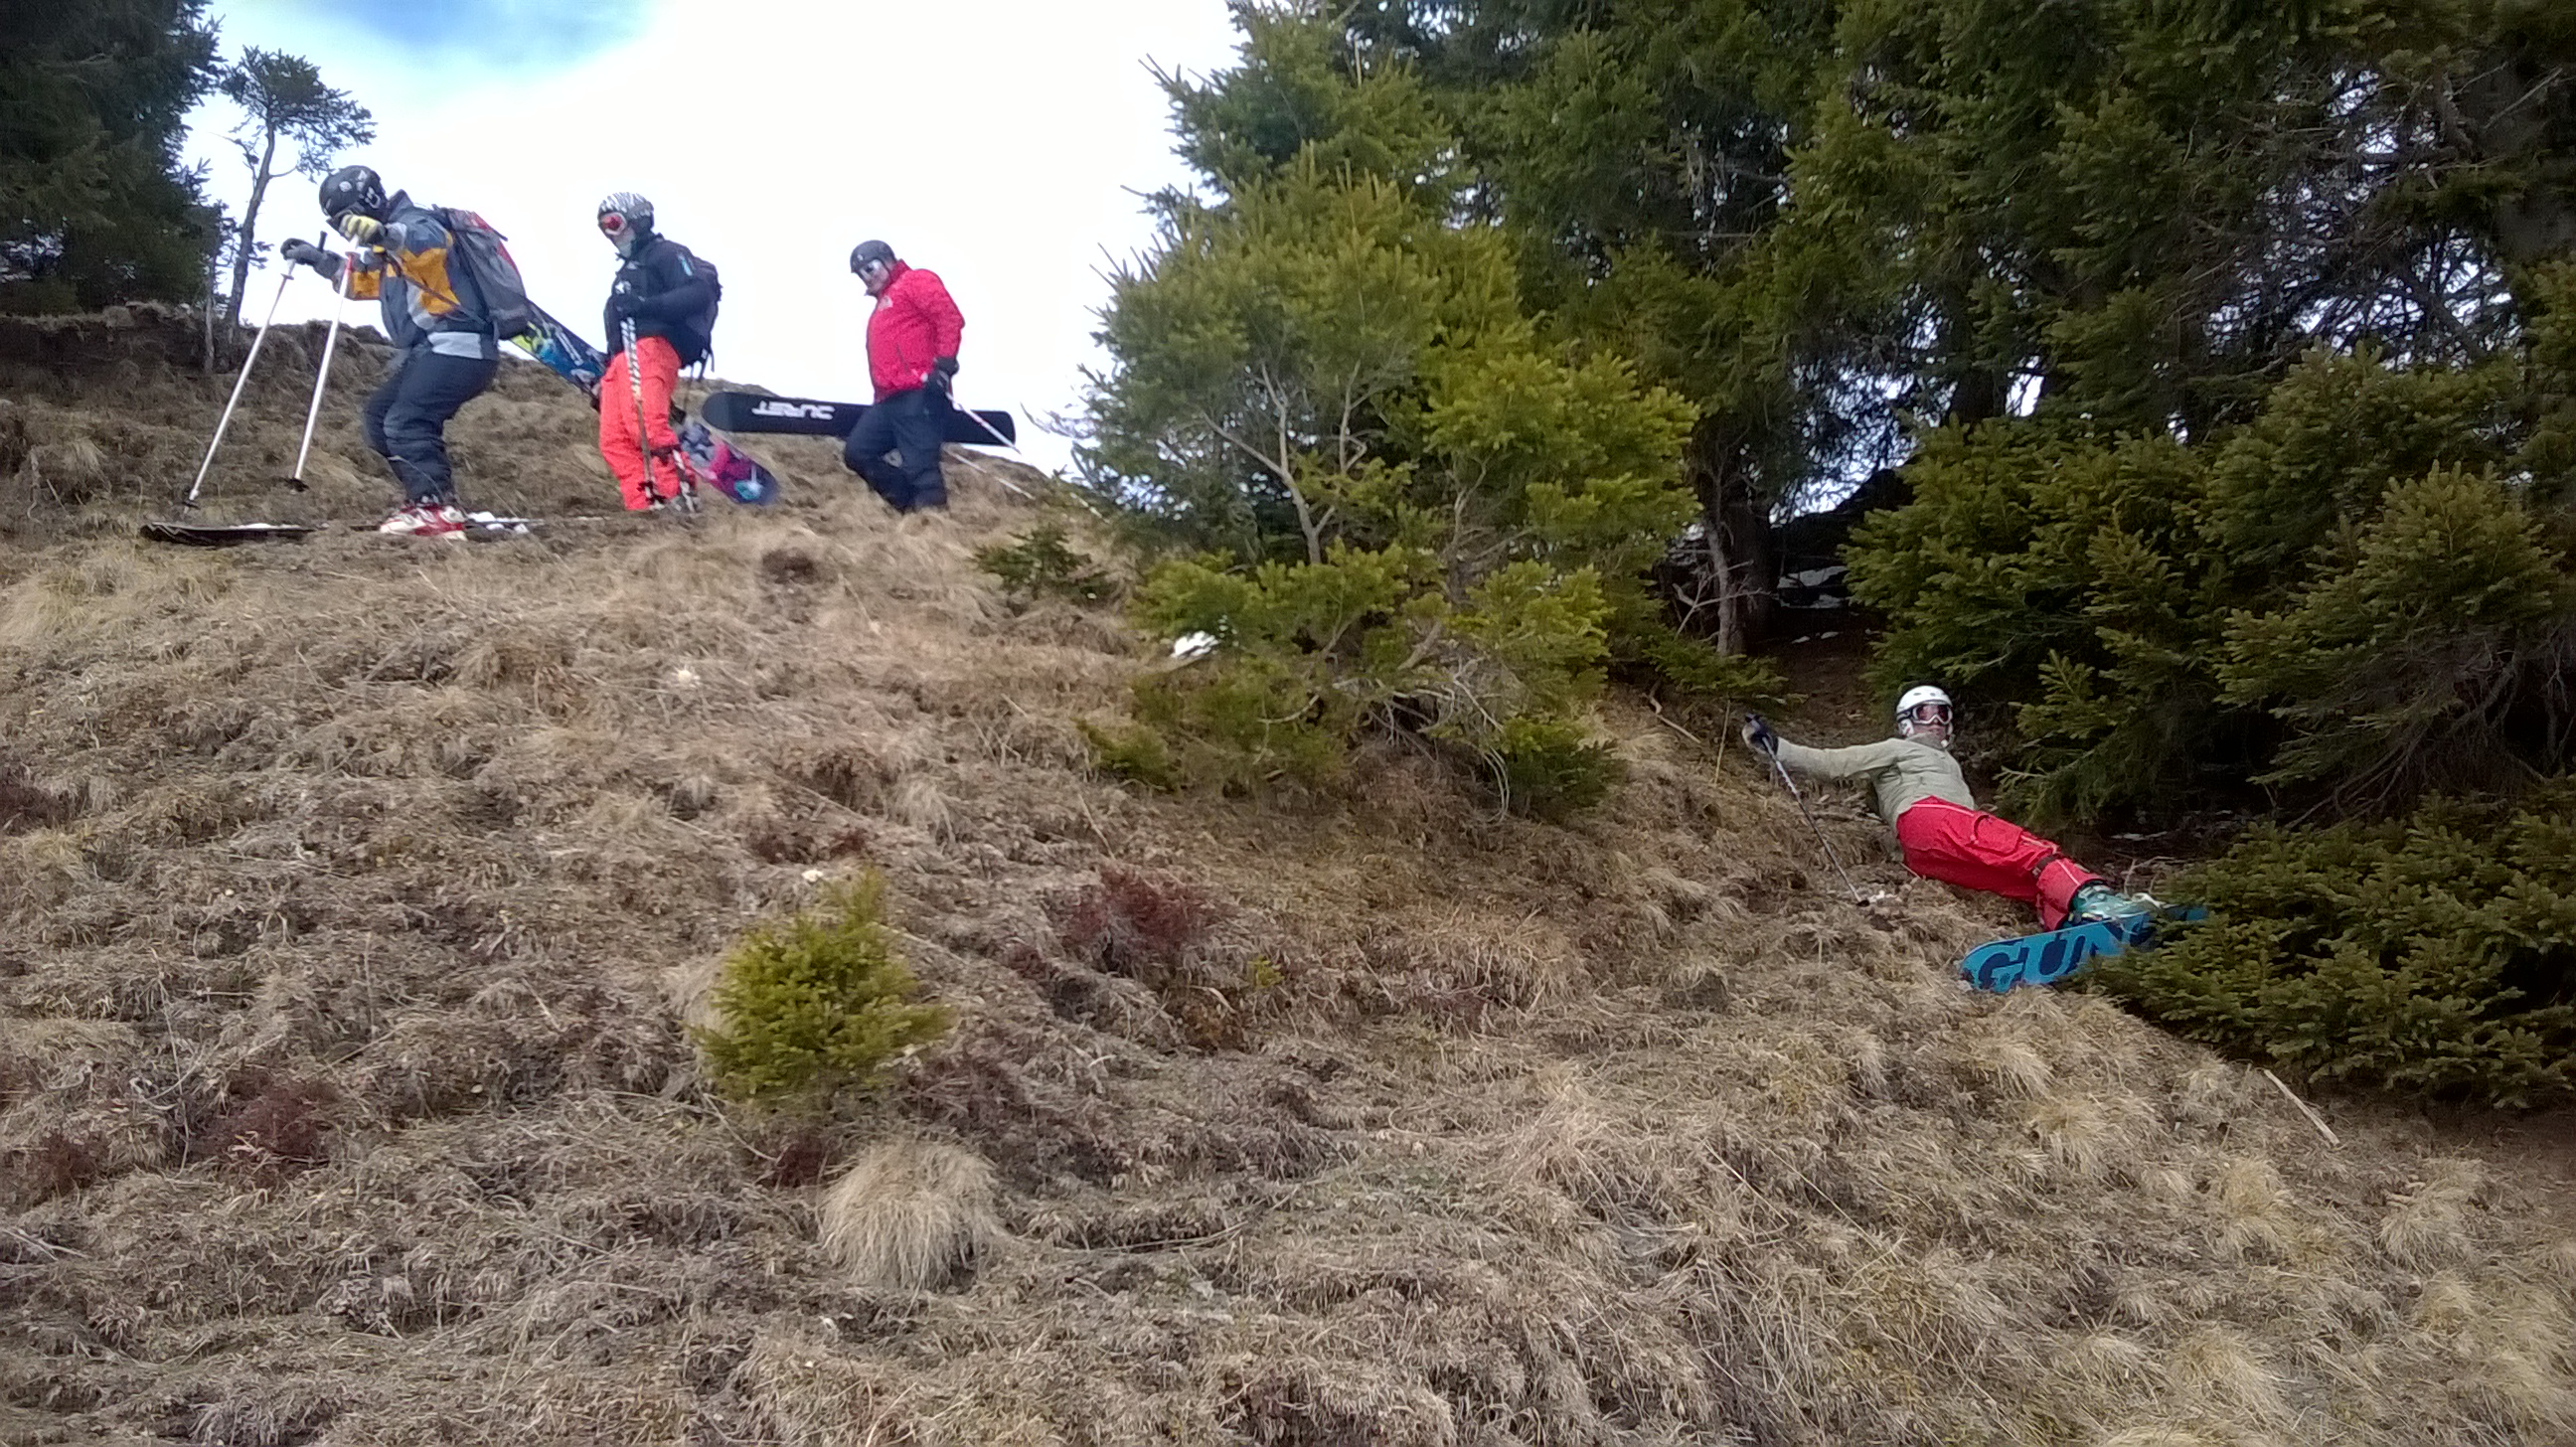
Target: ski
[{"x": 804, "y": 417}]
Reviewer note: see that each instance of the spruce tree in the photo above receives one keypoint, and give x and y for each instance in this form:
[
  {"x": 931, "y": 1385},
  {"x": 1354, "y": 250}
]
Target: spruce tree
[
  {"x": 95, "y": 205},
  {"x": 1425, "y": 515}
]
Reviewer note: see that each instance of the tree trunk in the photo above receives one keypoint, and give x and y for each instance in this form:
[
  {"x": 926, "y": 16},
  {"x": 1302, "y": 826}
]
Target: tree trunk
[
  {"x": 2518, "y": 114},
  {"x": 1737, "y": 527},
  {"x": 260, "y": 177}
]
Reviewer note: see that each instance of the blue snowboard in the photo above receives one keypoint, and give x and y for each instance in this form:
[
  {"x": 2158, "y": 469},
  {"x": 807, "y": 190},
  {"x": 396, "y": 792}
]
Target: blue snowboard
[{"x": 2045, "y": 959}]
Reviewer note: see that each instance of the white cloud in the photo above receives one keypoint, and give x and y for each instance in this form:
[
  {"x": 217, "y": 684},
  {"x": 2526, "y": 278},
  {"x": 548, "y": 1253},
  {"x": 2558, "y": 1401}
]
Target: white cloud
[{"x": 996, "y": 142}]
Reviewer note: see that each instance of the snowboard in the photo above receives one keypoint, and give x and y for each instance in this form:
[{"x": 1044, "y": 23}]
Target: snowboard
[
  {"x": 711, "y": 460},
  {"x": 2051, "y": 956},
  {"x": 752, "y": 412},
  {"x": 562, "y": 350},
  {"x": 715, "y": 462}
]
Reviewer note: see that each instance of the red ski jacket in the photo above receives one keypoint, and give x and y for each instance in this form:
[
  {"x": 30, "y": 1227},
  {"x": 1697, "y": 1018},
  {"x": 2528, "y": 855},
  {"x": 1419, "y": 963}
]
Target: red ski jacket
[{"x": 914, "y": 325}]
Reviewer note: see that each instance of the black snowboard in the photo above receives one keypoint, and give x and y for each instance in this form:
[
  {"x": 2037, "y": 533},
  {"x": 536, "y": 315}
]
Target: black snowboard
[
  {"x": 211, "y": 535},
  {"x": 751, "y": 412}
]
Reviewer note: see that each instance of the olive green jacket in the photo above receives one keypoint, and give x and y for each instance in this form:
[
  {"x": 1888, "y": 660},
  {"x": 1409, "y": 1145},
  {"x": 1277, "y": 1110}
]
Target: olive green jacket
[{"x": 1901, "y": 772}]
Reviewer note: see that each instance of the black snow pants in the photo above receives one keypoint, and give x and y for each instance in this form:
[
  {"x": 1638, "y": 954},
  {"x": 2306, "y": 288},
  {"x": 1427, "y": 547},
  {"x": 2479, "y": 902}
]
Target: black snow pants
[
  {"x": 911, "y": 424},
  {"x": 406, "y": 419}
]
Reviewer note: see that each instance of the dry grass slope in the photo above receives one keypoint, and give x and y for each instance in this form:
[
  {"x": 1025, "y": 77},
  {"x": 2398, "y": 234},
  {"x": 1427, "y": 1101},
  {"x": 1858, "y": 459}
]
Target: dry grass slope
[{"x": 344, "y": 1096}]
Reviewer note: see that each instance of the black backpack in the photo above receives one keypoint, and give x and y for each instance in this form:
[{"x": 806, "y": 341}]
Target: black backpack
[{"x": 694, "y": 337}]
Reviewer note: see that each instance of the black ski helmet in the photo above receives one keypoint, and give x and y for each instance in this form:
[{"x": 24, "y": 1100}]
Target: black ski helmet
[
  {"x": 868, "y": 253},
  {"x": 353, "y": 188},
  {"x": 626, "y": 219}
]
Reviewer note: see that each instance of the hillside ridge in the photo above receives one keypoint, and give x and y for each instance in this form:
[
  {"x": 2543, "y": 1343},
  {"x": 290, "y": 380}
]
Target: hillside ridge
[{"x": 362, "y": 889}]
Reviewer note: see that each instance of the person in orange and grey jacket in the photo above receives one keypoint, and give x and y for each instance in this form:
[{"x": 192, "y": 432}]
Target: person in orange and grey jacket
[
  {"x": 912, "y": 357},
  {"x": 445, "y": 352},
  {"x": 667, "y": 293}
]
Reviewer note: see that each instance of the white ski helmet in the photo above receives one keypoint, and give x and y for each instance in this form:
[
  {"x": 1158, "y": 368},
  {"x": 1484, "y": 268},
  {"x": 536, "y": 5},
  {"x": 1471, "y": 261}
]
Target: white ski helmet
[
  {"x": 1920, "y": 696},
  {"x": 626, "y": 219}
]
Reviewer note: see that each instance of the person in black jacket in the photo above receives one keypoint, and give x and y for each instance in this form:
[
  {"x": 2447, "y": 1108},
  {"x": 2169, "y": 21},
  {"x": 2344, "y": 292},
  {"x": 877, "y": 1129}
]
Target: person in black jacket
[{"x": 668, "y": 297}]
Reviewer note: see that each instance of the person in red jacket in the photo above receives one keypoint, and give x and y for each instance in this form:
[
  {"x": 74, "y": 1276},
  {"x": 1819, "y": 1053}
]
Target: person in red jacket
[
  {"x": 667, "y": 295},
  {"x": 912, "y": 355}
]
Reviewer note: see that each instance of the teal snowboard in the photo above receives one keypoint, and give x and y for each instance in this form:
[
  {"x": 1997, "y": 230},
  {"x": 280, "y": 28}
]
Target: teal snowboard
[{"x": 2046, "y": 958}]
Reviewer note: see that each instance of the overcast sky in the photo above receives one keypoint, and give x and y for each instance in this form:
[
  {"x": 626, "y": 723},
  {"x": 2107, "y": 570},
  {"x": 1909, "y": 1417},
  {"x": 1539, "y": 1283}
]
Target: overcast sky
[{"x": 999, "y": 143}]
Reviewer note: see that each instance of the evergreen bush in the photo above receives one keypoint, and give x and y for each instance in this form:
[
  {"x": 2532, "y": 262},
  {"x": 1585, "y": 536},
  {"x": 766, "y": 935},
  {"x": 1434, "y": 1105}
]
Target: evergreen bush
[
  {"x": 2435, "y": 955},
  {"x": 1415, "y": 509},
  {"x": 816, "y": 1003},
  {"x": 1040, "y": 563},
  {"x": 2362, "y": 596}
]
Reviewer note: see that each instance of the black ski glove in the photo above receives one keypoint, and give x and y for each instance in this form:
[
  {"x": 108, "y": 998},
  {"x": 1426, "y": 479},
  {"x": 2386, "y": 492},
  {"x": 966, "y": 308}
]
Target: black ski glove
[
  {"x": 943, "y": 375},
  {"x": 1758, "y": 734},
  {"x": 624, "y": 305},
  {"x": 297, "y": 251}
]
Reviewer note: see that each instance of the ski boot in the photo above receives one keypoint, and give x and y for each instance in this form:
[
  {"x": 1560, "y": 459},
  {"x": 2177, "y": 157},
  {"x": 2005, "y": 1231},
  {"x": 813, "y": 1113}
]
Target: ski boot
[{"x": 2098, "y": 901}]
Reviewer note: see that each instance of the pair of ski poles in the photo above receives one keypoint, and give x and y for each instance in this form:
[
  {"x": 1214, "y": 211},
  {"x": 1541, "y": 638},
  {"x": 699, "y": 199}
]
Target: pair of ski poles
[
  {"x": 1770, "y": 750},
  {"x": 321, "y": 377},
  {"x": 687, "y": 497}
]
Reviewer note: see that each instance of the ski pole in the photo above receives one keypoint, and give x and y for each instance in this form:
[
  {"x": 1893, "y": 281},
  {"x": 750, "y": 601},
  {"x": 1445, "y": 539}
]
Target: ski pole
[
  {"x": 1771, "y": 751},
  {"x": 687, "y": 497},
  {"x": 190, "y": 500},
  {"x": 996, "y": 434},
  {"x": 330, "y": 341}
]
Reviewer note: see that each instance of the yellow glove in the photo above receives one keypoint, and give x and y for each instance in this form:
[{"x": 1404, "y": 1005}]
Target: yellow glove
[{"x": 360, "y": 228}]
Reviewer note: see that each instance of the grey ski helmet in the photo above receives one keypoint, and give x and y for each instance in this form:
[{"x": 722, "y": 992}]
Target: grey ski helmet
[
  {"x": 870, "y": 253},
  {"x": 626, "y": 219},
  {"x": 353, "y": 189}
]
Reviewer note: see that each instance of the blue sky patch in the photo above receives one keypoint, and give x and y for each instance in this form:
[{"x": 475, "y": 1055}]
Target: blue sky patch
[{"x": 497, "y": 36}]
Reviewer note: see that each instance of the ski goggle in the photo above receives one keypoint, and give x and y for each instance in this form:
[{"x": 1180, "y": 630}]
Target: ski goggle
[
  {"x": 1929, "y": 713},
  {"x": 871, "y": 270},
  {"x": 612, "y": 224}
]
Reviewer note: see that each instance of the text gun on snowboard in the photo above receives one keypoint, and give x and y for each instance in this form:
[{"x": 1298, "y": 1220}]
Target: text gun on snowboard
[{"x": 2053, "y": 955}]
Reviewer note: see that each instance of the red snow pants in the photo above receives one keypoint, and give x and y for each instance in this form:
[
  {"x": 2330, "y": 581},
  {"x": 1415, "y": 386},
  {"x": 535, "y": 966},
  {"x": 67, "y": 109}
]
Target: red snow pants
[
  {"x": 618, "y": 443},
  {"x": 1958, "y": 845}
]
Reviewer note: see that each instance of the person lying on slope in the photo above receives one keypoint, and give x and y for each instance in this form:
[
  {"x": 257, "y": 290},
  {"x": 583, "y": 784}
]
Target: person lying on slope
[{"x": 1921, "y": 792}]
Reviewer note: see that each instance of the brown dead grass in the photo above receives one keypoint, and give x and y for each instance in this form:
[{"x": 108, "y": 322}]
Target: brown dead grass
[
  {"x": 910, "y": 1215},
  {"x": 344, "y": 1094}
]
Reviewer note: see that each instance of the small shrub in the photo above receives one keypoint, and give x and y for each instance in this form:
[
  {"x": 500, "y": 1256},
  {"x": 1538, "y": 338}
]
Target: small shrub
[
  {"x": 2434, "y": 955},
  {"x": 1550, "y": 771},
  {"x": 816, "y": 1003},
  {"x": 1039, "y": 563},
  {"x": 1161, "y": 932},
  {"x": 27, "y": 805},
  {"x": 273, "y": 1127},
  {"x": 1141, "y": 925},
  {"x": 53, "y": 1164},
  {"x": 1132, "y": 753},
  {"x": 1319, "y": 656}
]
